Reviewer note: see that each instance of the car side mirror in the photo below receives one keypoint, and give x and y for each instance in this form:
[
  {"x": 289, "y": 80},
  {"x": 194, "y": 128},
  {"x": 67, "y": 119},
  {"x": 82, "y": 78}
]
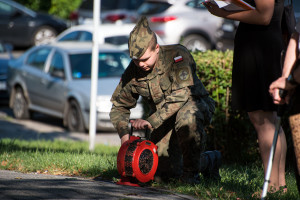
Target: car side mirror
[
  {"x": 58, "y": 73},
  {"x": 17, "y": 13},
  {"x": 8, "y": 47}
]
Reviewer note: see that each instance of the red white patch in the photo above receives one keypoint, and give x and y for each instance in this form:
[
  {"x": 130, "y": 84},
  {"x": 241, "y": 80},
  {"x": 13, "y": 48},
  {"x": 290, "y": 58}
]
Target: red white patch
[{"x": 178, "y": 59}]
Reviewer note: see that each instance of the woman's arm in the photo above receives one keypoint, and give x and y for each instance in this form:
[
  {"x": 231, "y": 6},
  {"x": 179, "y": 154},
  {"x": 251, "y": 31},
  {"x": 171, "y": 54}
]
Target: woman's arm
[
  {"x": 289, "y": 62},
  {"x": 291, "y": 55},
  {"x": 262, "y": 15}
]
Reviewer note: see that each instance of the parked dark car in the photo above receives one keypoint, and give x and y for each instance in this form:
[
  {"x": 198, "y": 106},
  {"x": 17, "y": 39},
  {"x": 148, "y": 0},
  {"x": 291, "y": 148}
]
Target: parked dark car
[
  {"x": 5, "y": 57},
  {"x": 21, "y": 26}
]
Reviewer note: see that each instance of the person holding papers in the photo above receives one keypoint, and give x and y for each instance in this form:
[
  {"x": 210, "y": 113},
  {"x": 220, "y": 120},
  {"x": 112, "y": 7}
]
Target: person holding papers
[{"x": 256, "y": 64}]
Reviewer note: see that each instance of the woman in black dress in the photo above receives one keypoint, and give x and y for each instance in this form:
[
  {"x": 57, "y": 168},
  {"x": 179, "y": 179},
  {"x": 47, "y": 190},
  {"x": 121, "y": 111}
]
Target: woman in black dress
[{"x": 256, "y": 64}]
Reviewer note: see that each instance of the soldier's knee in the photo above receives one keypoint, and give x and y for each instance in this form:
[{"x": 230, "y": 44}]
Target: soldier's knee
[{"x": 189, "y": 120}]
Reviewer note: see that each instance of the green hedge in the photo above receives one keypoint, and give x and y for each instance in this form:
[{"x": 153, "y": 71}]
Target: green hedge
[{"x": 230, "y": 132}]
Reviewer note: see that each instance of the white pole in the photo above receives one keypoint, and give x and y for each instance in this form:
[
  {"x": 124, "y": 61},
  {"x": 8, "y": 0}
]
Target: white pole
[
  {"x": 94, "y": 75},
  {"x": 271, "y": 159}
]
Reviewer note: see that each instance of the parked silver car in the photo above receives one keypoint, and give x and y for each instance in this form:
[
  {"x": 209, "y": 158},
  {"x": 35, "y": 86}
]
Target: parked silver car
[
  {"x": 182, "y": 21},
  {"x": 55, "y": 80}
]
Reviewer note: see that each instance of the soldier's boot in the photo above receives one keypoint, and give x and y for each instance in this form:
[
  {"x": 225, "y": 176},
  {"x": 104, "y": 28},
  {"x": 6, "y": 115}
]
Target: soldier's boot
[{"x": 214, "y": 161}]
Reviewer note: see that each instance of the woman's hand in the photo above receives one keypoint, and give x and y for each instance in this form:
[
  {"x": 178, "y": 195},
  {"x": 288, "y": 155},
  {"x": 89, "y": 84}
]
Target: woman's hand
[
  {"x": 214, "y": 9},
  {"x": 280, "y": 83},
  {"x": 261, "y": 15}
]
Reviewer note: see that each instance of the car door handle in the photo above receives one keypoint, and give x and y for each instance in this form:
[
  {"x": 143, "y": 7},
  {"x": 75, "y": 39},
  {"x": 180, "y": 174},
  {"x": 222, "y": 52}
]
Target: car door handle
[
  {"x": 11, "y": 24},
  {"x": 24, "y": 73}
]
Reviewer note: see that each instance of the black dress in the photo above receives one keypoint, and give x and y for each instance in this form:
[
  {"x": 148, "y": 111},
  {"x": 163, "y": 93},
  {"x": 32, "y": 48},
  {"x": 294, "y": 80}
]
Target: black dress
[{"x": 256, "y": 63}]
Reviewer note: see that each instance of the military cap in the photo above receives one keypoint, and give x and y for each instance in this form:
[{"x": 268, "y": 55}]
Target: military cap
[{"x": 139, "y": 38}]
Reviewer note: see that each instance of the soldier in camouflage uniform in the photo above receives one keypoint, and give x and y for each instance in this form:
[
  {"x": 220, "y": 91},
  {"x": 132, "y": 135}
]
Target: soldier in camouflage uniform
[{"x": 166, "y": 79}]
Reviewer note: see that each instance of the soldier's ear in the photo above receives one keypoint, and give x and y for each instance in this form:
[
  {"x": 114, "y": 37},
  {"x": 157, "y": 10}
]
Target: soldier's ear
[{"x": 157, "y": 48}]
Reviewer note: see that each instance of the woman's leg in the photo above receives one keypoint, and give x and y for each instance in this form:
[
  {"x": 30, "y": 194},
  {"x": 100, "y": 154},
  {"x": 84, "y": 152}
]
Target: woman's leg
[
  {"x": 282, "y": 139},
  {"x": 264, "y": 124}
]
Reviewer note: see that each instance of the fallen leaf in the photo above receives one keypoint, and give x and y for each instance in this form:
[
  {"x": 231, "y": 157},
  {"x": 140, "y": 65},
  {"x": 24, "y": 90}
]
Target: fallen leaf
[{"x": 4, "y": 163}]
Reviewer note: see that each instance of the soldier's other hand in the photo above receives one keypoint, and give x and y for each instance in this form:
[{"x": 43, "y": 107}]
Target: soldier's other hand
[
  {"x": 140, "y": 124},
  {"x": 124, "y": 138}
]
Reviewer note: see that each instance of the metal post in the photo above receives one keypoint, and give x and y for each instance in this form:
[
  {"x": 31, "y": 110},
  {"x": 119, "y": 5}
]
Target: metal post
[{"x": 94, "y": 75}]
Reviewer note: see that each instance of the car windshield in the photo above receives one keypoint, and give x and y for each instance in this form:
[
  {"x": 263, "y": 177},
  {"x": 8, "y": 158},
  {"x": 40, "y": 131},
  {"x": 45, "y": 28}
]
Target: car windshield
[
  {"x": 113, "y": 4},
  {"x": 117, "y": 40},
  {"x": 150, "y": 8},
  {"x": 111, "y": 64}
]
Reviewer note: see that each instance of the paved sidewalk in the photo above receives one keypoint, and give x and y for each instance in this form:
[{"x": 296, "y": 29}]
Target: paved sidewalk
[{"x": 15, "y": 185}]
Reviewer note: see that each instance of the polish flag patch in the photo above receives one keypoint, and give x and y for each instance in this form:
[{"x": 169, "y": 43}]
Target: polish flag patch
[{"x": 178, "y": 59}]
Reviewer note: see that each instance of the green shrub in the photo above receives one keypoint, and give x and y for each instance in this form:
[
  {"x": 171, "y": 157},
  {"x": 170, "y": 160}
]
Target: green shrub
[
  {"x": 63, "y": 8},
  {"x": 230, "y": 132},
  {"x": 59, "y": 8}
]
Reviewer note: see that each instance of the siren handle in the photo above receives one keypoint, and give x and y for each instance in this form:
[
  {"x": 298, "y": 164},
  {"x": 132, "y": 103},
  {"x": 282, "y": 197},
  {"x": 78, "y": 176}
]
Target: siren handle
[{"x": 147, "y": 135}]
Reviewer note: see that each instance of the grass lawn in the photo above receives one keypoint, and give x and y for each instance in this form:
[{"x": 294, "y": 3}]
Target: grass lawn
[{"x": 74, "y": 159}]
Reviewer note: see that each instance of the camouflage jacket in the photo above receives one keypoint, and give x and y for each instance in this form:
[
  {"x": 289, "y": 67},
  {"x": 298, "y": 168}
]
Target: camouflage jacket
[{"x": 171, "y": 83}]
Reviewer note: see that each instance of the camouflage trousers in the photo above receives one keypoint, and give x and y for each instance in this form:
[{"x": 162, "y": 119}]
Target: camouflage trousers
[{"x": 181, "y": 140}]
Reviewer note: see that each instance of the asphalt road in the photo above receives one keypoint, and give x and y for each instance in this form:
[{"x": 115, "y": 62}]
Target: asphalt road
[
  {"x": 15, "y": 185},
  {"x": 47, "y": 128}
]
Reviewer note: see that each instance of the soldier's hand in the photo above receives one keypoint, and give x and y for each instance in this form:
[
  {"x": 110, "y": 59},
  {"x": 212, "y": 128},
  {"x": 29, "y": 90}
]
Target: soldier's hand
[
  {"x": 124, "y": 138},
  {"x": 140, "y": 124}
]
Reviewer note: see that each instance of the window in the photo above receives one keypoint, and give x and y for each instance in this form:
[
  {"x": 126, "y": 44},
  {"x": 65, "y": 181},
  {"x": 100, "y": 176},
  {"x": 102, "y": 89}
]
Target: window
[
  {"x": 151, "y": 8},
  {"x": 77, "y": 36},
  {"x": 117, "y": 40},
  {"x": 112, "y": 4},
  {"x": 6, "y": 10},
  {"x": 57, "y": 65},
  {"x": 196, "y": 4},
  {"x": 85, "y": 36},
  {"x": 110, "y": 65},
  {"x": 38, "y": 58},
  {"x": 70, "y": 36}
]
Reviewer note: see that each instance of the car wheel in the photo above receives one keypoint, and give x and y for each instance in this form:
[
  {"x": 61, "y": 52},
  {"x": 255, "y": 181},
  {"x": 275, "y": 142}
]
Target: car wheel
[
  {"x": 20, "y": 105},
  {"x": 44, "y": 35},
  {"x": 196, "y": 42},
  {"x": 74, "y": 118}
]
